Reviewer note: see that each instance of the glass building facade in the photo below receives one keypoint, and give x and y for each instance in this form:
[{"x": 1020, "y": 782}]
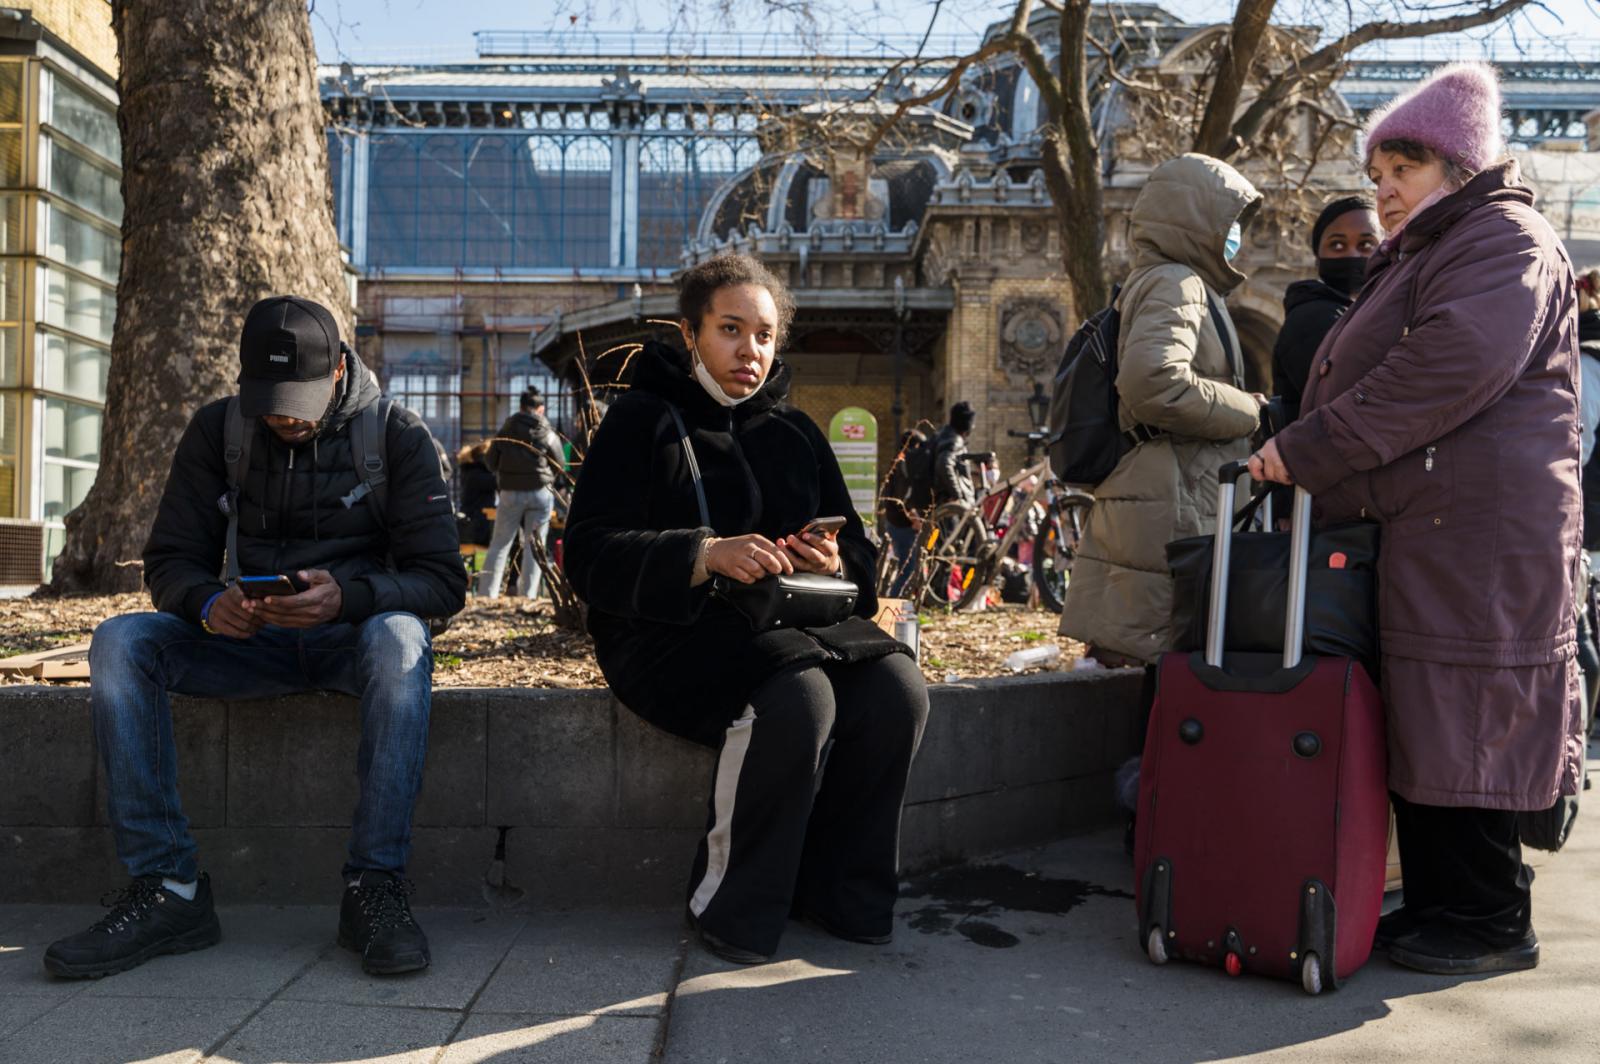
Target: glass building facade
[{"x": 60, "y": 253}]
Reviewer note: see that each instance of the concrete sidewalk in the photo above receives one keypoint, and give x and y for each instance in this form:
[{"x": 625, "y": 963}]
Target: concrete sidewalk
[{"x": 1028, "y": 959}]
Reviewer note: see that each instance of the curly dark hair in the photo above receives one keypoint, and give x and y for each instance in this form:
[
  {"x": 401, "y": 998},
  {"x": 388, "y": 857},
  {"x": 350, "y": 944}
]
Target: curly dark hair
[{"x": 701, "y": 282}]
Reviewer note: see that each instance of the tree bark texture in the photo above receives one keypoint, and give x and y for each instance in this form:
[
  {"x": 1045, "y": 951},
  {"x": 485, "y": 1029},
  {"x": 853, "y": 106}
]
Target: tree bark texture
[
  {"x": 1215, "y": 134},
  {"x": 226, "y": 200}
]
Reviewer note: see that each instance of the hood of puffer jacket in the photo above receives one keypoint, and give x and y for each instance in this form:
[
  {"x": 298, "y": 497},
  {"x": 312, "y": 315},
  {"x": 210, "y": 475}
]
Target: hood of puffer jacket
[
  {"x": 357, "y": 391},
  {"x": 1183, "y": 215},
  {"x": 665, "y": 370}
]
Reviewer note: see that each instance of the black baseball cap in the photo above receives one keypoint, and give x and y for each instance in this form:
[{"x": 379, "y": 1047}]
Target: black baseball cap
[{"x": 289, "y": 351}]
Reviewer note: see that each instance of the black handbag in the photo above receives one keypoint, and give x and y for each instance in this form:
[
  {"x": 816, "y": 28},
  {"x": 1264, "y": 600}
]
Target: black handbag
[
  {"x": 1341, "y": 591},
  {"x": 781, "y": 600}
]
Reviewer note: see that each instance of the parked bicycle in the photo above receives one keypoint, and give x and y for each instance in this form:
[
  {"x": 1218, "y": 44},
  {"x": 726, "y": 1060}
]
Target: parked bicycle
[{"x": 962, "y": 550}]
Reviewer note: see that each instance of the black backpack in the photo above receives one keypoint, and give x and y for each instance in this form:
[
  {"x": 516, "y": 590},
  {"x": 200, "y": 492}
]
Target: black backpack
[
  {"x": 919, "y": 474},
  {"x": 1086, "y": 438},
  {"x": 1086, "y": 442}
]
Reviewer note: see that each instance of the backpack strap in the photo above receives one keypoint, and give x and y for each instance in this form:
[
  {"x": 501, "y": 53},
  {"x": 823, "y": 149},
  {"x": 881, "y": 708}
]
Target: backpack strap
[
  {"x": 236, "y": 458},
  {"x": 369, "y": 448},
  {"x": 694, "y": 464},
  {"x": 1213, "y": 304}
]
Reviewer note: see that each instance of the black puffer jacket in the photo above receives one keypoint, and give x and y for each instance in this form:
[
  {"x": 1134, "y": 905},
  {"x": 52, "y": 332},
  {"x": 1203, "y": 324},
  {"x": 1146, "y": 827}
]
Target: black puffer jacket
[
  {"x": 1310, "y": 309},
  {"x": 290, "y": 516},
  {"x": 524, "y": 465},
  {"x": 673, "y": 654},
  {"x": 952, "y": 477}
]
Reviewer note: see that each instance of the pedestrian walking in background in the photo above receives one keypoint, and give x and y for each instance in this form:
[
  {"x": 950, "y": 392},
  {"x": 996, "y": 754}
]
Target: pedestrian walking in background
[
  {"x": 1343, "y": 238},
  {"x": 897, "y": 507},
  {"x": 815, "y": 728},
  {"x": 1444, "y": 405},
  {"x": 524, "y": 457},
  {"x": 952, "y": 480},
  {"x": 1182, "y": 403}
]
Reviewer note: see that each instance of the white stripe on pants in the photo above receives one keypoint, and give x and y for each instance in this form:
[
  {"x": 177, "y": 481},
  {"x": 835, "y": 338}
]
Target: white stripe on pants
[{"x": 719, "y": 842}]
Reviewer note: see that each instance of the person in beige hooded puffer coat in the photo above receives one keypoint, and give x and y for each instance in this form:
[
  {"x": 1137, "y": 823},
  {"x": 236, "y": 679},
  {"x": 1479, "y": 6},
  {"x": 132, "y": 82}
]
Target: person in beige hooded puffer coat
[{"x": 1180, "y": 381}]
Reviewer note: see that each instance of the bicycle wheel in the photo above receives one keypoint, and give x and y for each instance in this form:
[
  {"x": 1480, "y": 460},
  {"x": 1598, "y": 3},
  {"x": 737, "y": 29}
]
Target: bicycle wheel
[
  {"x": 1054, "y": 549},
  {"x": 956, "y": 556}
]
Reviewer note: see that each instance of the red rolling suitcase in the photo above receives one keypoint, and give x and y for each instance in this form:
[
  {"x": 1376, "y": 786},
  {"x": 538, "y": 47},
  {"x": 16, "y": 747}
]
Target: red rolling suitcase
[{"x": 1263, "y": 808}]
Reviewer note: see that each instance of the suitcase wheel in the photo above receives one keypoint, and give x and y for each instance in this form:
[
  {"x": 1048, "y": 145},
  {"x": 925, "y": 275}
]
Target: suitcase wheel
[
  {"x": 1311, "y": 974},
  {"x": 1156, "y": 945}
]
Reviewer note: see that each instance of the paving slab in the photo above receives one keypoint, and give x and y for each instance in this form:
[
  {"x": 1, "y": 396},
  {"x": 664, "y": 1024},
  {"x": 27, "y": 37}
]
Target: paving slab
[
  {"x": 22, "y": 946},
  {"x": 88, "y": 1030},
  {"x": 542, "y": 1040},
  {"x": 306, "y": 1031},
  {"x": 465, "y": 945},
  {"x": 618, "y": 963}
]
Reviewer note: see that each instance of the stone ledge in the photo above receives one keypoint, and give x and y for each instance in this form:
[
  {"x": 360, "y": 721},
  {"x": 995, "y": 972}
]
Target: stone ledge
[{"x": 594, "y": 806}]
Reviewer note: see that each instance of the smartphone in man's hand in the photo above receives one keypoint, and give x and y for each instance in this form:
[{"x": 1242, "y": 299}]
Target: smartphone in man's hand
[
  {"x": 260, "y": 587},
  {"x": 823, "y": 526}
]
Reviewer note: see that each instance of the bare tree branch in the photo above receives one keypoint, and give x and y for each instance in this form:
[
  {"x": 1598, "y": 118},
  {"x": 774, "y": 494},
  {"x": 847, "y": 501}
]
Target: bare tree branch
[
  {"x": 1325, "y": 59},
  {"x": 1233, "y": 67}
]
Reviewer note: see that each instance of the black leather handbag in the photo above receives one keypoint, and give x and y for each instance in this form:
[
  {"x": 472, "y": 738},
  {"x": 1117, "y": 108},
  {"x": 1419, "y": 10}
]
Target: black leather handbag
[
  {"x": 1341, "y": 591},
  {"x": 782, "y": 600}
]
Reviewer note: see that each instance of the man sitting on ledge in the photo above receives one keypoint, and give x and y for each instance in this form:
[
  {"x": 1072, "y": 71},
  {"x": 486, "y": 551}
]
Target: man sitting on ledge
[{"x": 308, "y": 474}]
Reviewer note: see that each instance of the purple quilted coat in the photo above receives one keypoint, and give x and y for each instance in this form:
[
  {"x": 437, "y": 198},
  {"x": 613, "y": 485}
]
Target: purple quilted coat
[{"x": 1444, "y": 405}]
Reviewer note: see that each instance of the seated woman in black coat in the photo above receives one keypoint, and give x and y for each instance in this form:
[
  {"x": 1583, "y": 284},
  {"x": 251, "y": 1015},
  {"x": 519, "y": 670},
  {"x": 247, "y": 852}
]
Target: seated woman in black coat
[{"x": 844, "y": 705}]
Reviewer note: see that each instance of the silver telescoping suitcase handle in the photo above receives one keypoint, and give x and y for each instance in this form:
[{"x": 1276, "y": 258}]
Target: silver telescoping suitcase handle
[{"x": 1294, "y": 624}]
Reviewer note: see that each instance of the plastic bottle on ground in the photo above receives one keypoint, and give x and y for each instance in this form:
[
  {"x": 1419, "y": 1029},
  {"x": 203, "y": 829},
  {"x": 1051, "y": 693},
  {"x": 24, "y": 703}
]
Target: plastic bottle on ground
[{"x": 1039, "y": 655}]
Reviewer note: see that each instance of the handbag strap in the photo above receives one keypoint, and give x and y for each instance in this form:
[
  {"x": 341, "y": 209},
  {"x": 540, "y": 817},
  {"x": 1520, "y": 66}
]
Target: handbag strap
[{"x": 694, "y": 463}]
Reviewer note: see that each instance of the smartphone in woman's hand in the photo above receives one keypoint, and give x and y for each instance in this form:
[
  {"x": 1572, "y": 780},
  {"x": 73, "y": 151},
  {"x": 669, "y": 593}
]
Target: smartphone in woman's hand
[{"x": 823, "y": 526}]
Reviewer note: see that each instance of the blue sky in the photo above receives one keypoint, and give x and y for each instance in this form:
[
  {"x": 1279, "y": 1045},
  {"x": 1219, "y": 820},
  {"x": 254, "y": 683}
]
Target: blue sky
[{"x": 419, "y": 30}]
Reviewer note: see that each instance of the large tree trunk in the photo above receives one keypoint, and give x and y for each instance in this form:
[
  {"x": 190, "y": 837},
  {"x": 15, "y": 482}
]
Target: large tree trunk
[
  {"x": 1072, "y": 167},
  {"x": 226, "y": 200},
  {"x": 1215, "y": 136}
]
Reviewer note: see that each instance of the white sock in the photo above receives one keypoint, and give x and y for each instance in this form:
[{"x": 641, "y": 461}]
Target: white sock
[{"x": 182, "y": 890}]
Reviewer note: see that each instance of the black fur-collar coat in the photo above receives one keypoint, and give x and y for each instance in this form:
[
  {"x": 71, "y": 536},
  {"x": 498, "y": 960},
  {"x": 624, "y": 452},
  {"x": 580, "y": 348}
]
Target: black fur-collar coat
[{"x": 675, "y": 655}]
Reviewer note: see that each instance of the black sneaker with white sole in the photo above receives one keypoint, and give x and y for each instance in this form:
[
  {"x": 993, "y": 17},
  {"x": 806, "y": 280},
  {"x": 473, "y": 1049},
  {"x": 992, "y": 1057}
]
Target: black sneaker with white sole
[
  {"x": 375, "y": 921},
  {"x": 144, "y": 920}
]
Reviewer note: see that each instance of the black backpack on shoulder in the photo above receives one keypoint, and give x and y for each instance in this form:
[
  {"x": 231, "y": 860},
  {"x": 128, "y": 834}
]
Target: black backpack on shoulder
[
  {"x": 1086, "y": 442},
  {"x": 919, "y": 474}
]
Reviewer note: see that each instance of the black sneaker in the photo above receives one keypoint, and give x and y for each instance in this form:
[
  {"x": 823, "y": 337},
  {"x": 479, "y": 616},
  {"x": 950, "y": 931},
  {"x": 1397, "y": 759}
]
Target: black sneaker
[
  {"x": 375, "y": 921},
  {"x": 822, "y": 923},
  {"x": 1445, "y": 948},
  {"x": 145, "y": 921}
]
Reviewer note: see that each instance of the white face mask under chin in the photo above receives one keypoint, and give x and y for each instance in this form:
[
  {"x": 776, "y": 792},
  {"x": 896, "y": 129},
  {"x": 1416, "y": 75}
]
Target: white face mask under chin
[{"x": 709, "y": 383}]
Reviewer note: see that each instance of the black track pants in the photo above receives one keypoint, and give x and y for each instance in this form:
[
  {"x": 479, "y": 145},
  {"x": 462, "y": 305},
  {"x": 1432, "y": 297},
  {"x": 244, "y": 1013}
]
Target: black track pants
[
  {"x": 805, "y": 803},
  {"x": 1466, "y": 863}
]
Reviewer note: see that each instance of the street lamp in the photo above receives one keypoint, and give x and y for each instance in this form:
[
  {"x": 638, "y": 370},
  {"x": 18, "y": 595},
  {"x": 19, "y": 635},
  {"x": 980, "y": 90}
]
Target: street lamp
[{"x": 1038, "y": 406}]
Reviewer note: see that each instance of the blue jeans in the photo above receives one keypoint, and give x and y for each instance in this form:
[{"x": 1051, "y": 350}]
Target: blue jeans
[
  {"x": 527, "y": 512},
  {"x": 135, "y": 660},
  {"x": 903, "y": 541}
]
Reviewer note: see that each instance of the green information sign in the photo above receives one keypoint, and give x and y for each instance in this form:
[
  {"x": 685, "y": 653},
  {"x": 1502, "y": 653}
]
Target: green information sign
[{"x": 853, "y": 434}]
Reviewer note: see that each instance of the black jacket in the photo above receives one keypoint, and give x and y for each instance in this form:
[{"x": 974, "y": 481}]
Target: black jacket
[
  {"x": 1310, "y": 309},
  {"x": 477, "y": 495},
  {"x": 291, "y": 517},
  {"x": 1589, "y": 345},
  {"x": 952, "y": 477},
  {"x": 524, "y": 466},
  {"x": 671, "y": 653}
]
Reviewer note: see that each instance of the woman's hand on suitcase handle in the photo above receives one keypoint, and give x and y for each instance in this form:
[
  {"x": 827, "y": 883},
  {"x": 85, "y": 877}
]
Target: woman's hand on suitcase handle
[
  {"x": 746, "y": 558},
  {"x": 1267, "y": 465}
]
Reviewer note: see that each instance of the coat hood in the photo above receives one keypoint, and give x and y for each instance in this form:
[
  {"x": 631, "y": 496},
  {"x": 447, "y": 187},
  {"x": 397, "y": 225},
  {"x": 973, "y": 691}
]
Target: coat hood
[
  {"x": 665, "y": 370},
  {"x": 1313, "y": 291},
  {"x": 358, "y": 390},
  {"x": 1183, "y": 214}
]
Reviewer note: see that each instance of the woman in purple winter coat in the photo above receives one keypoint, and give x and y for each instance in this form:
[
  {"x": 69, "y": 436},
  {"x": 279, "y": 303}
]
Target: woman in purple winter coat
[{"x": 1444, "y": 406}]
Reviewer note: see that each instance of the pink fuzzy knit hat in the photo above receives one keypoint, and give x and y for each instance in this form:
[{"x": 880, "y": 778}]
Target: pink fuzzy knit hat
[{"x": 1456, "y": 112}]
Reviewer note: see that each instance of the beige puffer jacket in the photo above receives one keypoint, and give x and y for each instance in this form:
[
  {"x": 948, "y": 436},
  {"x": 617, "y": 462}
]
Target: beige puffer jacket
[{"x": 1173, "y": 374}]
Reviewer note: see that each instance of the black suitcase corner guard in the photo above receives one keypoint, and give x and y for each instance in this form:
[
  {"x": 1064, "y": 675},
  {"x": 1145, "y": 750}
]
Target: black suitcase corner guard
[{"x": 1319, "y": 924}]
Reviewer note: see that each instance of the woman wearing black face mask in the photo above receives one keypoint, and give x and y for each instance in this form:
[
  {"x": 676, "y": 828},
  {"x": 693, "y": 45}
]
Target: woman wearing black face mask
[{"x": 1345, "y": 236}]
